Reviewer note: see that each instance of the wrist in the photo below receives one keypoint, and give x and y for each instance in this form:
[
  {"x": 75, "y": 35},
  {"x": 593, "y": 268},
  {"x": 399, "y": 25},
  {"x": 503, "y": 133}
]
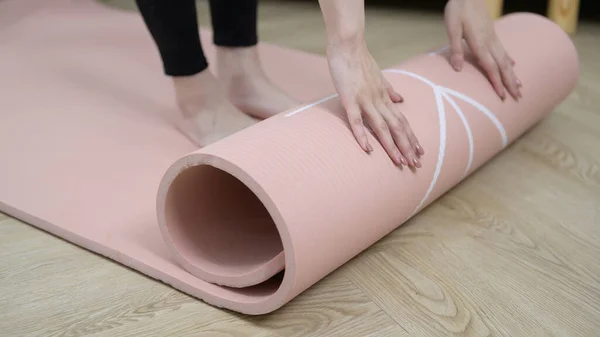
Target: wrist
[
  {"x": 344, "y": 23},
  {"x": 347, "y": 43},
  {"x": 346, "y": 36}
]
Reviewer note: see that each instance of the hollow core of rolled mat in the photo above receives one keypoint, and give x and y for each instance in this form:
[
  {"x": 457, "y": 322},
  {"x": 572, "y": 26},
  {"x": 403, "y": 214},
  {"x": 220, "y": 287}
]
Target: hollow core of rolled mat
[{"x": 273, "y": 209}]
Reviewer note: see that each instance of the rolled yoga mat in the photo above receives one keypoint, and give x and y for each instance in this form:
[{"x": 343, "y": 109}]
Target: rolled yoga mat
[{"x": 89, "y": 153}]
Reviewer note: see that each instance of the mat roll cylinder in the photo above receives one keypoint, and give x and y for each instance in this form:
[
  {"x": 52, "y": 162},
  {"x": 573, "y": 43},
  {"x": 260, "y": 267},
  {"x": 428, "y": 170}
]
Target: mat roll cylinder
[{"x": 296, "y": 192}]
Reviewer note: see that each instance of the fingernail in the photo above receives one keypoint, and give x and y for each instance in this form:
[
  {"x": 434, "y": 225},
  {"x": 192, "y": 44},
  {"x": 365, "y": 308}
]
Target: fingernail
[
  {"x": 369, "y": 147},
  {"x": 456, "y": 64},
  {"x": 398, "y": 157},
  {"x": 400, "y": 98},
  {"x": 416, "y": 162},
  {"x": 403, "y": 161},
  {"x": 519, "y": 83},
  {"x": 420, "y": 149}
]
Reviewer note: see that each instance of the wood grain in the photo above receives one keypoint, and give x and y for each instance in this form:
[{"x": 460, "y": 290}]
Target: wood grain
[
  {"x": 565, "y": 13},
  {"x": 511, "y": 251}
]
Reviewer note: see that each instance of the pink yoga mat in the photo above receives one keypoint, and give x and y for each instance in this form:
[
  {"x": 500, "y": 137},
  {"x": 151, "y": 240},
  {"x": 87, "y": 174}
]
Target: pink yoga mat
[{"x": 89, "y": 152}]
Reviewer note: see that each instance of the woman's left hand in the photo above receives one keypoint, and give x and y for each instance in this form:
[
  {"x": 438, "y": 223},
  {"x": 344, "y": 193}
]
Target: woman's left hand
[{"x": 470, "y": 19}]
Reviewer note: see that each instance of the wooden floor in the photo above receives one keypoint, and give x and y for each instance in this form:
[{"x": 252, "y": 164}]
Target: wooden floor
[{"x": 512, "y": 251}]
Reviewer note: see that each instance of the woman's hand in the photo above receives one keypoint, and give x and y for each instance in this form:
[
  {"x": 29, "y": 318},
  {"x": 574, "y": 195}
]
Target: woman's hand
[
  {"x": 470, "y": 19},
  {"x": 362, "y": 89}
]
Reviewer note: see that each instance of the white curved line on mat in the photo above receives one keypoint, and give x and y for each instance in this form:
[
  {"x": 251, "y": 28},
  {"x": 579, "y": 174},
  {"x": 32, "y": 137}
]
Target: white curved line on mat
[
  {"x": 467, "y": 129},
  {"x": 306, "y": 107},
  {"x": 484, "y": 110},
  {"x": 442, "y": 152},
  {"x": 439, "y": 51}
]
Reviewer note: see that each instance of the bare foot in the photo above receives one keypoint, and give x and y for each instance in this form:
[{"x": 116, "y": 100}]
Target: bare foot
[
  {"x": 247, "y": 85},
  {"x": 208, "y": 115}
]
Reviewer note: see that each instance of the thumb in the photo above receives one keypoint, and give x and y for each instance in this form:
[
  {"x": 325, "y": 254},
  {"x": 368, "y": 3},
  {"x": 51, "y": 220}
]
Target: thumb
[
  {"x": 455, "y": 34},
  {"x": 394, "y": 95}
]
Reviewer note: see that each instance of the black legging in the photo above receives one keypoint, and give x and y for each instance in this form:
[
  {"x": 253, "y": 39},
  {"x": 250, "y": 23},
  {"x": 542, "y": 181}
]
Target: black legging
[{"x": 174, "y": 27}]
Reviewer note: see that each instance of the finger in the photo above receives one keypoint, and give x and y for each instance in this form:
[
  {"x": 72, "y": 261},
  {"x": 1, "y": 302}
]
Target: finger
[
  {"x": 382, "y": 130},
  {"x": 398, "y": 131},
  {"x": 357, "y": 126},
  {"x": 455, "y": 34},
  {"x": 394, "y": 95},
  {"x": 409, "y": 132},
  {"x": 513, "y": 62},
  {"x": 491, "y": 68},
  {"x": 506, "y": 70},
  {"x": 487, "y": 62}
]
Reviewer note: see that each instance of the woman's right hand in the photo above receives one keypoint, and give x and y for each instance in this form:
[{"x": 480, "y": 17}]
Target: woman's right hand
[
  {"x": 364, "y": 92},
  {"x": 362, "y": 89}
]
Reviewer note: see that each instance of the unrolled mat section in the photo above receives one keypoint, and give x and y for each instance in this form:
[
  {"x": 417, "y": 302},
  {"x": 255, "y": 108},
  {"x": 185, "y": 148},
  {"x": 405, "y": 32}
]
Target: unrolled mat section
[{"x": 296, "y": 194}]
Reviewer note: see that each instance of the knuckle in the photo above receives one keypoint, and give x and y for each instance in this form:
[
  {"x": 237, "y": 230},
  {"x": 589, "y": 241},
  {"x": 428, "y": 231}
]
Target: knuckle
[
  {"x": 479, "y": 46},
  {"x": 383, "y": 126},
  {"x": 396, "y": 126},
  {"x": 505, "y": 65},
  {"x": 487, "y": 63},
  {"x": 356, "y": 121},
  {"x": 412, "y": 137},
  {"x": 402, "y": 119}
]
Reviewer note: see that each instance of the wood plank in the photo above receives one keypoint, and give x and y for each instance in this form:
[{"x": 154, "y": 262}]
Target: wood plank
[{"x": 565, "y": 13}]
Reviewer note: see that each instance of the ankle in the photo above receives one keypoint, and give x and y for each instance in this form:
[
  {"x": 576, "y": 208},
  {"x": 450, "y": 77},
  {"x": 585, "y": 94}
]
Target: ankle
[
  {"x": 203, "y": 83},
  {"x": 238, "y": 62},
  {"x": 198, "y": 92}
]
